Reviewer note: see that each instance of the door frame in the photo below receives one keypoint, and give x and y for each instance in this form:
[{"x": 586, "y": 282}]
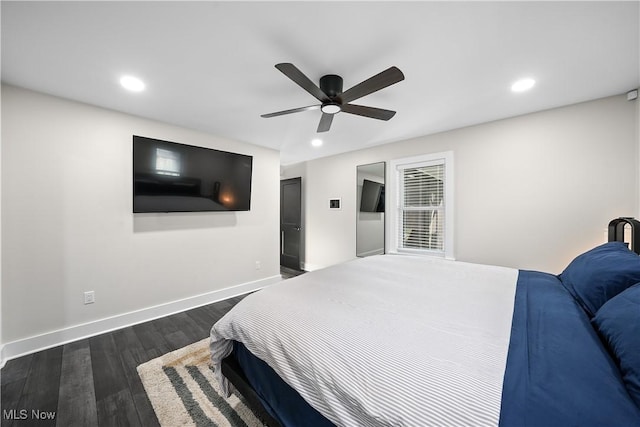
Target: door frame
[{"x": 291, "y": 230}]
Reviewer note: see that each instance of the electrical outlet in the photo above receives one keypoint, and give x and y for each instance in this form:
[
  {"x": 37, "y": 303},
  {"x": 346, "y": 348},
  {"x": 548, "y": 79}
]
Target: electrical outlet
[
  {"x": 258, "y": 265},
  {"x": 89, "y": 297}
]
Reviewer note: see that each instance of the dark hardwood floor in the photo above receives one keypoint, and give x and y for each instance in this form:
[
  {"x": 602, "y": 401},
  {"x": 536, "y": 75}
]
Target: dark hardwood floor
[
  {"x": 94, "y": 382},
  {"x": 287, "y": 272}
]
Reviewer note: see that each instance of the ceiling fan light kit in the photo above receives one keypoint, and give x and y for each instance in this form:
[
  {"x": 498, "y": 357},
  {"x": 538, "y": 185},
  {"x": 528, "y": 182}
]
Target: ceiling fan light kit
[
  {"x": 334, "y": 100},
  {"x": 331, "y": 108}
]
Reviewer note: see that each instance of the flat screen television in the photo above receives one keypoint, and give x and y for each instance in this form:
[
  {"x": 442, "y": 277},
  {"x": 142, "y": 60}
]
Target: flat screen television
[
  {"x": 372, "y": 199},
  {"x": 171, "y": 177}
]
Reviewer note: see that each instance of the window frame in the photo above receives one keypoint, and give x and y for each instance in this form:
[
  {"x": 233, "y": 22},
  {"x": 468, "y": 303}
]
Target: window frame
[{"x": 394, "y": 218}]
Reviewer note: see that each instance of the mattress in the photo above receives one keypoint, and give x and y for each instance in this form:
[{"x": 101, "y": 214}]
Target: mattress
[
  {"x": 413, "y": 341},
  {"x": 384, "y": 340}
]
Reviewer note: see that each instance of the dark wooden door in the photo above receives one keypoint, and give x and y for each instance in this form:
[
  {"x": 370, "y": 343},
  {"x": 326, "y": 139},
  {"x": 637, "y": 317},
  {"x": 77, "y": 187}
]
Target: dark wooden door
[{"x": 290, "y": 222}]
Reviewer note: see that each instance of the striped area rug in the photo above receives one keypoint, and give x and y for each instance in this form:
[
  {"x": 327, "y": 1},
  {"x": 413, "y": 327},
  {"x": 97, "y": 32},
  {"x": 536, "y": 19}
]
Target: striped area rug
[{"x": 183, "y": 391}]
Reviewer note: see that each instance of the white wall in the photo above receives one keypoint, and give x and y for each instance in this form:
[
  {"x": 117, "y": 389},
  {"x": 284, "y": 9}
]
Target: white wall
[
  {"x": 637, "y": 104},
  {"x": 2, "y": 358},
  {"x": 68, "y": 227},
  {"x": 530, "y": 192}
]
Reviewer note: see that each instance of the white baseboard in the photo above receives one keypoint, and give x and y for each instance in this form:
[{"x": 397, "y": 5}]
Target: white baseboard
[
  {"x": 311, "y": 267},
  {"x": 379, "y": 251},
  {"x": 14, "y": 349}
]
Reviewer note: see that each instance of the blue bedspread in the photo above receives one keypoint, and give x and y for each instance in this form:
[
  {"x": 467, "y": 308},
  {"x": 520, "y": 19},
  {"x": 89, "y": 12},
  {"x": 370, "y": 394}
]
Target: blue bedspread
[{"x": 558, "y": 372}]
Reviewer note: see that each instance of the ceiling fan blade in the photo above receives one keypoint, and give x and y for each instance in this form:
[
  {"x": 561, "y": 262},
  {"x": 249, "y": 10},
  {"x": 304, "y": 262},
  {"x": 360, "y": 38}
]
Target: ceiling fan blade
[
  {"x": 374, "y": 113},
  {"x": 293, "y": 110},
  {"x": 325, "y": 122},
  {"x": 303, "y": 81},
  {"x": 381, "y": 80}
]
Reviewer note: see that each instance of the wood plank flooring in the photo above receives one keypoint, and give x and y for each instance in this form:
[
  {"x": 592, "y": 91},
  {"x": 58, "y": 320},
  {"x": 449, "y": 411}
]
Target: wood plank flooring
[{"x": 94, "y": 382}]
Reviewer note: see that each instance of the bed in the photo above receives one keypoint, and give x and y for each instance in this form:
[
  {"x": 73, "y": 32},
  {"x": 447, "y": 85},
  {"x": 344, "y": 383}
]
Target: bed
[{"x": 395, "y": 340}]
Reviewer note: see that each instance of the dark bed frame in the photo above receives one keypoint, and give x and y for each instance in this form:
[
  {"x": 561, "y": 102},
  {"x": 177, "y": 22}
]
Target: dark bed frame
[
  {"x": 617, "y": 228},
  {"x": 233, "y": 372}
]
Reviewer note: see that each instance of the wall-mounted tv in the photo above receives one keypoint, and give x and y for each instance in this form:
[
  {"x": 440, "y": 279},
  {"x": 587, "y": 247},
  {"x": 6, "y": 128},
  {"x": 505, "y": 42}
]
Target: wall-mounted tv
[
  {"x": 372, "y": 199},
  {"x": 171, "y": 177}
]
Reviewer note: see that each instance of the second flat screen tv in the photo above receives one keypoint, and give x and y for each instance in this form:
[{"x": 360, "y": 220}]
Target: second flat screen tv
[
  {"x": 171, "y": 177},
  {"x": 372, "y": 199}
]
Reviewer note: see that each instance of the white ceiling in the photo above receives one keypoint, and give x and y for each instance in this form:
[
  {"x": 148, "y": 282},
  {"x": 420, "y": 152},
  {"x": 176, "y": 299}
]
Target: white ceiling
[{"x": 210, "y": 65}]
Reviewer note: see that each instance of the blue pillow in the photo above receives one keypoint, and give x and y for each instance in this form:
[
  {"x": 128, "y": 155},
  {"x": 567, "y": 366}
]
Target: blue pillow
[
  {"x": 598, "y": 275},
  {"x": 618, "y": 323}
]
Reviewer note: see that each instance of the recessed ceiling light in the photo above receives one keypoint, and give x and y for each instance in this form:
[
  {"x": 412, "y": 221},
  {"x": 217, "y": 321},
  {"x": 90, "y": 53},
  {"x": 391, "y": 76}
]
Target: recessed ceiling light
[
  {"x": 523, "y": 85},
  {"x": 131, "y": 83},
  {"x": 316, "y": 142}
]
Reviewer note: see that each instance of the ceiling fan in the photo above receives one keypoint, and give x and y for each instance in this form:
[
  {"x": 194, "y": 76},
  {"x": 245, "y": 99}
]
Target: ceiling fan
[{"x": 334, "y": 100}]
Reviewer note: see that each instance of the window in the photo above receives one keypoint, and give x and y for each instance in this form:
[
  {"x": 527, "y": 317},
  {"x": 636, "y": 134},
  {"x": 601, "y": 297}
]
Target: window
[
  {"x": 422, "y": 206},
  {"x": 167, "y": 162}
]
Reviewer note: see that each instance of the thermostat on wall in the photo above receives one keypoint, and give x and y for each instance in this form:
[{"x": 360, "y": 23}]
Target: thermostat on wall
[{"x": 334, "y": 203}]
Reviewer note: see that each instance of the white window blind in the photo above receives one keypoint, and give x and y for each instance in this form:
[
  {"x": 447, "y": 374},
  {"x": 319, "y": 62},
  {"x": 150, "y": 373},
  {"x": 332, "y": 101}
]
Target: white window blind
[
  {"x": 167, "y": 162},
  {"x": 421, "y": 209},
  {"x": 421, "y": 205}
]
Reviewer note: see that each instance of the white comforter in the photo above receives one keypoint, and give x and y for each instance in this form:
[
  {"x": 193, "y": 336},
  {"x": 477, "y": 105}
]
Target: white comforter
[{"x": 385, "y": 340}]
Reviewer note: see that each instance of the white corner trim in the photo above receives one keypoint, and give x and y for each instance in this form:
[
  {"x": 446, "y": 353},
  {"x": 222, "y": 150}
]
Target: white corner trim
[
  {"x": 308, "y": 267},
  {"x": 312, "y": 267},
  {"x": 14, "y": 349}
]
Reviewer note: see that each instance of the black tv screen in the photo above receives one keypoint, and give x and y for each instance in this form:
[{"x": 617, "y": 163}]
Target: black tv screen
[
  {"x": 372, "y": 199},
  {"x": 171, "y": 177}
]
